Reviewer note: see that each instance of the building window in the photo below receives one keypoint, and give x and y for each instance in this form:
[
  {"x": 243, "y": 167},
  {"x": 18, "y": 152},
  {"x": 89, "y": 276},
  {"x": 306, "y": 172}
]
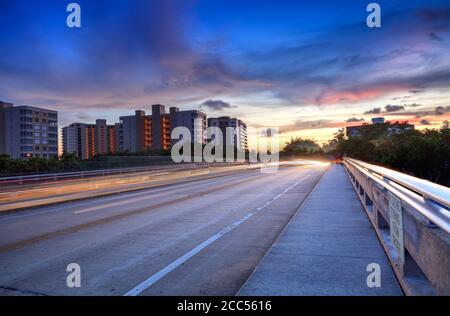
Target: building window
[
  {"x": 26, "y": 134},
  {"x": 26, "y": 126}
]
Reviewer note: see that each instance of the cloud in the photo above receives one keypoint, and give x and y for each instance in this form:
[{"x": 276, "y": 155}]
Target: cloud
[
  {"x": 393, "y": 108},
  {"x": 425, "y": 122},
  {"x": 217, "y": 105},
  {"x": 434, "y": 37},
  {"x": 440, "y": 110},
  {"x": 143, "y": 53},
  {"x": 354, "y": 119},
  {"x": 83, "y": 116},
  {"x": 302, "y": 124},
  {"x": 373, "y": 111}
]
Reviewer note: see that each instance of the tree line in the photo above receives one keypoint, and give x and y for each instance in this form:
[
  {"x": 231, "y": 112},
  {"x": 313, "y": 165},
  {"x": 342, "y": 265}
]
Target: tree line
[{"x": 421, "y": 153}]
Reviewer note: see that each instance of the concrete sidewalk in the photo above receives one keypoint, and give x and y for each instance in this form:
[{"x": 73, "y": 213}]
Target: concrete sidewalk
[{"x": 325, "y": 249}]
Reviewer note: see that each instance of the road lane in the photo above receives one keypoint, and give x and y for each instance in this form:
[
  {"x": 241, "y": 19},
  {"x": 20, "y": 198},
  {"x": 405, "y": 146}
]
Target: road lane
[
  {"x": 47, "y": 194},
  {"x": 117, "y": 255},
  {"x": 175, "y": 264},
  {"x": 63, "y": 218}
]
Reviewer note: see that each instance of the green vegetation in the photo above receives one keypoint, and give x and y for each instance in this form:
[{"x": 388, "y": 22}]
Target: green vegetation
[
  {"x": 69, "y": 162},
  {"x": 11, "y": 166},
  {"x": 424, "y": 154},
  {"x": 302, "y": 147}
]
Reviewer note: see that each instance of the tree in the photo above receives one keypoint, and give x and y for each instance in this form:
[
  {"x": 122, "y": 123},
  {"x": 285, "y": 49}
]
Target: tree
[
  {"x": 423, "y": 154},
  {"x": 302, "y": 147}
]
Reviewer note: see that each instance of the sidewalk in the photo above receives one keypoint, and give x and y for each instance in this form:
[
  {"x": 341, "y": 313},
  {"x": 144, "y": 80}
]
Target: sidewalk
[{"x": 325, "y": 249}]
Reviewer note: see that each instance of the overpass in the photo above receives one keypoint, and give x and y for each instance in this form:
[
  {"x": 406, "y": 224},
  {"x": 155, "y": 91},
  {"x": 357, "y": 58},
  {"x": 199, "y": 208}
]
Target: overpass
[{"x": 308, "y": 229}]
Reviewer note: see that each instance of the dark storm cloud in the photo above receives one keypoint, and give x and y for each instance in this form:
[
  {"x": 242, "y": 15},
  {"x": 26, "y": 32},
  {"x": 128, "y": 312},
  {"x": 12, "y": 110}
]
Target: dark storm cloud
[
  {"x": 435, "y": 37},
  {"x": 354, "y": 119},
  {"x": 216, "y": 105},
  {"x": 442, "y": 110},
  {"x": 373, "y": 111},
  {"x": 393, "y": 108}
]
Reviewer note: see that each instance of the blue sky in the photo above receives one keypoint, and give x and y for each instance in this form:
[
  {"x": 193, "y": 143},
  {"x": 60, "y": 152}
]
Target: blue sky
[{"x": 305, "y": 66}]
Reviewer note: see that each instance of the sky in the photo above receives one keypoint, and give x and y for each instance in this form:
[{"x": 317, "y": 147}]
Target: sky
[{"x": 306, "y": 67}]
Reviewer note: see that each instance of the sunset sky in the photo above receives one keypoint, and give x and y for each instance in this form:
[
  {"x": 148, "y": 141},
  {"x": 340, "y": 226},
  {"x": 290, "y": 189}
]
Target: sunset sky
[{"x": 307, "y": 67}]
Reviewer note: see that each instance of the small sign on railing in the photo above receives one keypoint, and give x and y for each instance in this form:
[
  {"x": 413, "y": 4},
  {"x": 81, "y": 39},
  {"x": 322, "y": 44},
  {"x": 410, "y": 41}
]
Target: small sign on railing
[{"x": 396, "y": 225}]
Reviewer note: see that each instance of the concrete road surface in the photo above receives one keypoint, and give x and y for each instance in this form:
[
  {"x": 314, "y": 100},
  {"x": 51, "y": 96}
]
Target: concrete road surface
[{"x": 195, "y": 238}]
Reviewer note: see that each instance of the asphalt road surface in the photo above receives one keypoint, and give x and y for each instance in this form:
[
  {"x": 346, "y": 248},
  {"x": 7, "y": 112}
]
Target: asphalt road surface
[{"x": 193, "y": 238}]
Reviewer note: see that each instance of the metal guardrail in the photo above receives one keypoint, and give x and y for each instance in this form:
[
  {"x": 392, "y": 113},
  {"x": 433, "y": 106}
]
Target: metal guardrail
[
  {"x": 429, "y": 199},
  {"x": 6, "y": 181},
  {"x": 411, "y": 217},
  {"x": 25, "y": 179}
]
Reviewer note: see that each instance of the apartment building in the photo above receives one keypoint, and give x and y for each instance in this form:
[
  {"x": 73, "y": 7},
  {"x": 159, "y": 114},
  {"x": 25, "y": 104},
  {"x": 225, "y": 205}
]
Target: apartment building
[
  {"x": 79, "y": 139},
  {"x": 194, "y": 120},
  {"x": 141, "y": 132},
  {"x": 133, "y": 133},
  {"x": 239, "y": 139},
  {"x": 88, "y": 140},
  {"x": 27, "y": 131}
]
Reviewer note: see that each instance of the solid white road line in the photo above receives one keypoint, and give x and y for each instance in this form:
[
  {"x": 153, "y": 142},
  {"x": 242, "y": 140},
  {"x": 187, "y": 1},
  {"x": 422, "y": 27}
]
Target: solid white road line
[{"x": 172, "y": 266}]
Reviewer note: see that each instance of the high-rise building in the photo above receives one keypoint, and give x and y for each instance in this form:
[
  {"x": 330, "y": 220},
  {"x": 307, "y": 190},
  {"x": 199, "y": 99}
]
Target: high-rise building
[
  {"x": 134, "y": 132},
  {"x": 161, "y": 127},
  {"x": 140, "y": 132},
  {"x": 239, "y": 139},
  {"x": 194, "y": 120},
  {"x": 79, "y": 139},
  {"x": 27, "y": 131},
  {"x": 88, "y": 140}
]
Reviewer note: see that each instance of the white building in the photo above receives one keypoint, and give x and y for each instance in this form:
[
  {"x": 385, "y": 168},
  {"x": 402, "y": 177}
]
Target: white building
[{"x": 239, "y": 139}]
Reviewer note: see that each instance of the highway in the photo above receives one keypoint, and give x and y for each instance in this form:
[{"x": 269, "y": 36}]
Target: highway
[{"x": 201, "y": 237}]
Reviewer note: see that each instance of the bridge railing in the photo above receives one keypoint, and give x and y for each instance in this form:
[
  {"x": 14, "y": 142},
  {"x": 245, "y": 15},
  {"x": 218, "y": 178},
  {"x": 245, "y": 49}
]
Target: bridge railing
[
  {"x": 412, "y": 219},
  {"x": 50, "y": 177},
  {"x": 62, "y": 176}
]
